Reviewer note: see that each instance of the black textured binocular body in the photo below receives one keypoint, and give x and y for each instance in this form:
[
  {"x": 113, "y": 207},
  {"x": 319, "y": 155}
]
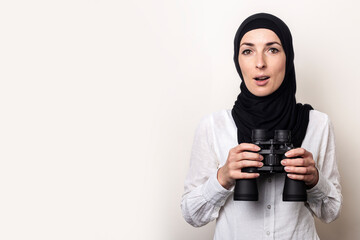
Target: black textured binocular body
[{"x": 273, "y": 150}]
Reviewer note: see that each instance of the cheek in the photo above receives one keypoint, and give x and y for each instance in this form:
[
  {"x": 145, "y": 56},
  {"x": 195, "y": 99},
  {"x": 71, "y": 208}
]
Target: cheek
[
  {"x": 280, "y": 72},
  {"x": 245, "y": 68},
  {"x": 279, "y": 69}
]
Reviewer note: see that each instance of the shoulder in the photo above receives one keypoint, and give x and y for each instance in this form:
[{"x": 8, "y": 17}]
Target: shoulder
[
  {"x": 319, "y": 125},
  {"x": 318, "y": 116},
  {"x": 318, "y": 119},
  {"x": 218, "y": 119}
]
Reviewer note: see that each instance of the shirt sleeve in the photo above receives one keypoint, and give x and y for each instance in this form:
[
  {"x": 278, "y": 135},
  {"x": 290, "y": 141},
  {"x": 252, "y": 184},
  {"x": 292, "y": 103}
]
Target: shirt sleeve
[
  {"x": 325, "y": 198},
  {"x": 203, "y": 196}
]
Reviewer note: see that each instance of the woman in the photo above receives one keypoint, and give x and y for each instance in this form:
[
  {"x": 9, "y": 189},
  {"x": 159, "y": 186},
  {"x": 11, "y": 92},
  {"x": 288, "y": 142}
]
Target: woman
[{"x": 263, "y": 56}]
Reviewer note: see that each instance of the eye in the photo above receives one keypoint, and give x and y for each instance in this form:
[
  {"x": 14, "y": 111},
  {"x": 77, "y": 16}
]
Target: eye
[
  {"x": 246, "y": 52},
  {"x": 273, "y": 50}
]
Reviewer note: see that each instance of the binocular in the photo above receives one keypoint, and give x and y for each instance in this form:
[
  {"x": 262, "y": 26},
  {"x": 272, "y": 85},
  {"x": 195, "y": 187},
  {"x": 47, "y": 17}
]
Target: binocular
[{"x": 273, "y": 151}]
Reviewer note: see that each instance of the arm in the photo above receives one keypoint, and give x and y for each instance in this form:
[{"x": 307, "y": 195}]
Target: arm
[
  {"x": 324, "y": 190},
  {"x": 206, "y": 186},
  {"x": 203, "y": 196},
  {"x": 325, "y": 197}
]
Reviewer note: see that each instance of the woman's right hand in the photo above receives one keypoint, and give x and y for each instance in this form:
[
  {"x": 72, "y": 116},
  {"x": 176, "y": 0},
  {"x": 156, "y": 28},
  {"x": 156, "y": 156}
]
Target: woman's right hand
[{"x": 242, "y": 156}]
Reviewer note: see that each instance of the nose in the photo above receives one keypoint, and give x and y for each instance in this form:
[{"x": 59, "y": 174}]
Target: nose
[{"x": 260, "y": 61}]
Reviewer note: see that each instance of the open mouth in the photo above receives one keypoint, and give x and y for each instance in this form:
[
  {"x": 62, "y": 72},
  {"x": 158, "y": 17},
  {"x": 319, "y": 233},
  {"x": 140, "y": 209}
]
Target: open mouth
[{"x": 261, "y": 78}]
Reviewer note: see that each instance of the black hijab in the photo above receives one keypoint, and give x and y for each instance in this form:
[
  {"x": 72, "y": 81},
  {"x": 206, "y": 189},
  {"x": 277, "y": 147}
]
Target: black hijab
[{"x": 279, "y": 109}]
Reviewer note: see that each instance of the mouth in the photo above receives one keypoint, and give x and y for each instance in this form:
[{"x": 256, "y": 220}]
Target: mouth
[{"x": 261, "y": 80}]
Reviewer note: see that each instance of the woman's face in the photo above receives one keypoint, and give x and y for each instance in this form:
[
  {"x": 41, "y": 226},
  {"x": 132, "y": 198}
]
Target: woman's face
[{"x": 262, "y": 61}]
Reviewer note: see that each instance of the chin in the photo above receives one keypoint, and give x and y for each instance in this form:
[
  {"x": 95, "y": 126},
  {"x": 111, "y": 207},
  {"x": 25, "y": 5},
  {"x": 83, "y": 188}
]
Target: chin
[{"x": 261, "y": 93}]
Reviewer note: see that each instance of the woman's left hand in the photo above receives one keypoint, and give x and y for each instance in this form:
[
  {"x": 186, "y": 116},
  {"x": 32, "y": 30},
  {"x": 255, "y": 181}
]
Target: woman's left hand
[{"x": 301, "y": 166}]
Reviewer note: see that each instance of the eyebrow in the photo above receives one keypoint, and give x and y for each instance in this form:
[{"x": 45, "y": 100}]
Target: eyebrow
[{"x": 267, "y": 44}]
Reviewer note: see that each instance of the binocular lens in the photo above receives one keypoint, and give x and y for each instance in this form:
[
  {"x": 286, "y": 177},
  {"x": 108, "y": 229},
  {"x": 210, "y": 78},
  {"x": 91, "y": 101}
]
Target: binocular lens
[
  {"x": 282, "y": 135},
  {"x": 258, "y": 135}
]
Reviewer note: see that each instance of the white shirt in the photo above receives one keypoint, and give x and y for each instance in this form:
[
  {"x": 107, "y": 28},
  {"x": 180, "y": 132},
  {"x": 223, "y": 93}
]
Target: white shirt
[{"x": 205, "y": 200}]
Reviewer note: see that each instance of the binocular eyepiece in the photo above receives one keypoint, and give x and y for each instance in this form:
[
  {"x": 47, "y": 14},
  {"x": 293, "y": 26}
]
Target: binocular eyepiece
[
  {"x": 258, "y": 135},
  {"x": 273, "y": 150}
]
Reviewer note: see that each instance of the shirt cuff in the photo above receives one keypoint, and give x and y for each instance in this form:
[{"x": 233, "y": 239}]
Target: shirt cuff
[
  {"x": 214, "y": 193},
  {"x": 320, "y": 191}
]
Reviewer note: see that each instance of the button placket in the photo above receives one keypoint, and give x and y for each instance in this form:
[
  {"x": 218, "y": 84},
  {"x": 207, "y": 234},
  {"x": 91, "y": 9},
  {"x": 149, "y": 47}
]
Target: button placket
[{"x": 268, "y": 207}]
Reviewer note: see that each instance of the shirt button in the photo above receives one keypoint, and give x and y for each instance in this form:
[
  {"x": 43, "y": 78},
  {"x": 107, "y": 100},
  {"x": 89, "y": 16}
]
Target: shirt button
[
  {"x": 269, "y": 206},
  {"x": 269, "y": 180},
  {"x": 268, "y": 233}
]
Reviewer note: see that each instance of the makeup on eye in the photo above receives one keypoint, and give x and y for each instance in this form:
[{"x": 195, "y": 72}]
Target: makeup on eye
[
  {"x": 272, "y": 50},
  {"x": 246, "y": 52}
]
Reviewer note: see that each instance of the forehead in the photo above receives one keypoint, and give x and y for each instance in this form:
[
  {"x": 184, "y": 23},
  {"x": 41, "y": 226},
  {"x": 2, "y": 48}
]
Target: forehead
[{"x": 260, "y": 36}]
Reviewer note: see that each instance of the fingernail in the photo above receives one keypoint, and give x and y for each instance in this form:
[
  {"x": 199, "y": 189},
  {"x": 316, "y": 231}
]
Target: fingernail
[
  {"x": 257, "y": 148},
  {"x": 261, "y": 164},
  {"x": 286, "y": 168},
  {"x": 283, "y": 162},
  {"x": 287, "y": 154}
]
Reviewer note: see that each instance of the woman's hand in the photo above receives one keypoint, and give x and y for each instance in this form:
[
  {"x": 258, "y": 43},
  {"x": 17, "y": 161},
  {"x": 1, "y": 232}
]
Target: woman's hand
[
  {"x": 302, "y": 167},
  {"x": 241, "y": 156}
]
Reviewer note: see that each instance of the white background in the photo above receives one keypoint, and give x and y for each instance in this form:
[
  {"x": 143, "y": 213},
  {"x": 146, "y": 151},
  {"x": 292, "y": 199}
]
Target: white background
[{"x": 99, "y": 101}]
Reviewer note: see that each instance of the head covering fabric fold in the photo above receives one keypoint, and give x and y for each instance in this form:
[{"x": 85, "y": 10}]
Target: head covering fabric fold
[{"x": 279, "y": 110}]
